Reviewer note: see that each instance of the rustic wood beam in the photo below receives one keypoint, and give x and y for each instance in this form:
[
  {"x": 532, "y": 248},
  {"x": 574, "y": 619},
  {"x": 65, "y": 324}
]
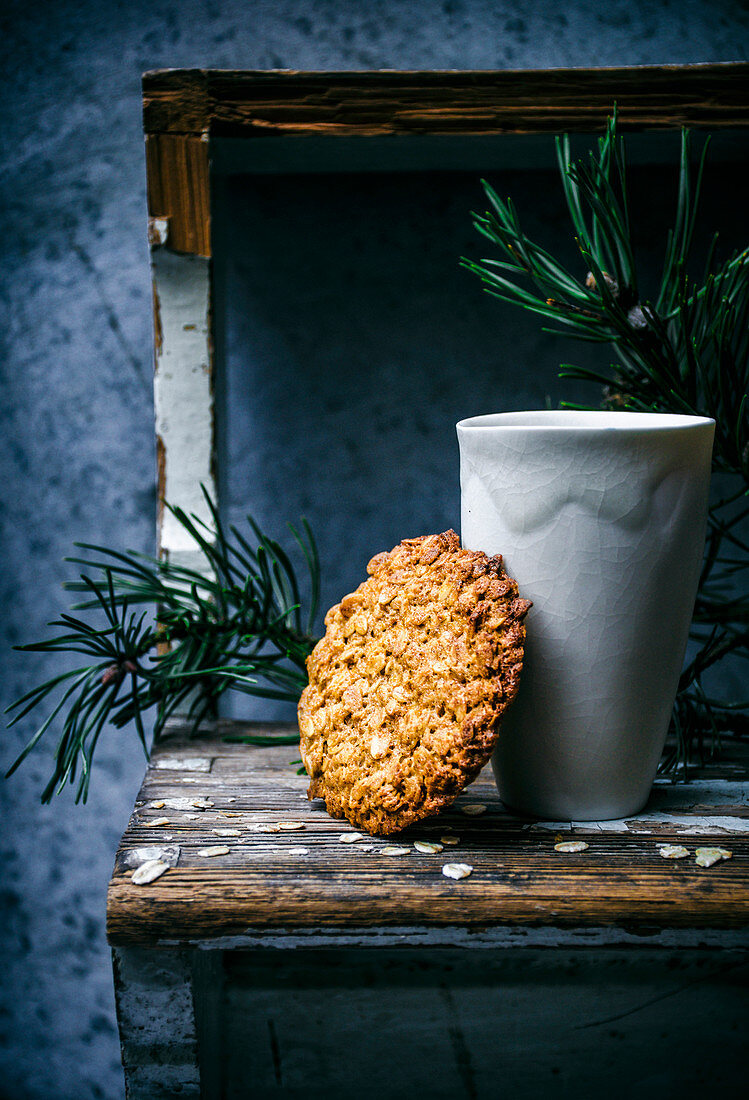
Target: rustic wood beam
[
  {"x": 179, "y": 190},
  {"x": 261, "y": 104}
]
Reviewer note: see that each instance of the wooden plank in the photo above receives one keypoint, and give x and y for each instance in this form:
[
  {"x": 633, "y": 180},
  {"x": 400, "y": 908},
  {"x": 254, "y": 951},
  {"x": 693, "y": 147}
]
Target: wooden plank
[
  {"x": 261, "y": 104},
  {"x": 176, "y": 100},
  {"x": 178, "y": 190},
  {"x": 208, "y": 787}
]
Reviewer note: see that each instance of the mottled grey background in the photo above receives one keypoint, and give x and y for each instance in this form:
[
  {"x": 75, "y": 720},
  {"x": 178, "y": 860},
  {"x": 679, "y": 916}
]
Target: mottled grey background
[{"x": 387, "y": 344}]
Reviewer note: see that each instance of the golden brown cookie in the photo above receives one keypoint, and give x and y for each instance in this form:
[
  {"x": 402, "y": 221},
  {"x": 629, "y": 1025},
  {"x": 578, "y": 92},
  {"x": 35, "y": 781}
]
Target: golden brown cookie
[{"x": 408, "y": 686}]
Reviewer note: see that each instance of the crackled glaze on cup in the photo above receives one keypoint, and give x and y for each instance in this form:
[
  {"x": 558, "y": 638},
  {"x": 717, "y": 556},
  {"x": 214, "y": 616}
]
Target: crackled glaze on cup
[{"x": 601, "y": 519}]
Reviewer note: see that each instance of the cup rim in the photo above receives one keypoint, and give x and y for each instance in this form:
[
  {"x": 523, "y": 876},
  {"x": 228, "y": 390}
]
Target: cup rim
[{"x": 574, "y": 420}]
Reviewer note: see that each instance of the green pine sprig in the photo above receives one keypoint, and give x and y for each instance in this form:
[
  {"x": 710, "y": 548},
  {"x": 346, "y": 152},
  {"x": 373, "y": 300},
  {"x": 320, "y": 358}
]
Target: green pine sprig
[
  {"x": 237, "y": 626},
  {"x": 685, "y": 350}
]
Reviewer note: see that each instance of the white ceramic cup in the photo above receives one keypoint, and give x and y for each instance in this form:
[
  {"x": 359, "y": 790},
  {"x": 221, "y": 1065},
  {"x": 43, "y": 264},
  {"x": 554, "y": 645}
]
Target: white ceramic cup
[{"x": 600, "y": 517}]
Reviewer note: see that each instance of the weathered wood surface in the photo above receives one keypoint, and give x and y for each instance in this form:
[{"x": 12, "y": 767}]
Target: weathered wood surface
[
  {"x": 179, "y": 192},
  {"x": 518, "y": 879},
  {"x": 260, "y": 104}
]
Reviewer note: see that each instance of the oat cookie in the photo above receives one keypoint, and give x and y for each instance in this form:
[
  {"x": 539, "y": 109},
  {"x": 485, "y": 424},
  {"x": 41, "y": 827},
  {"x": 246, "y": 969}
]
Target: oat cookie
[{"x": 407, "y": 687}]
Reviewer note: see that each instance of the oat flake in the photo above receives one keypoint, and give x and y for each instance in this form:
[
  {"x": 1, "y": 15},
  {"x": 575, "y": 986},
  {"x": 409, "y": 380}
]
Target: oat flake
[
  {"x": 571, "y": 846},
  {"x": 148, "y": 872},
  {"x": 290, "y": 826},
  {"x": 450, "y": 838},
  {"x": 350, "y": 838},
  {"x": 473, "y": 809},
  {"x": 184, "y": 803},
  {"x": 226, "y": 832},
  {"x": 672, "y": 851},
  {"x": 427, "y": 847},
  {"x": 394, "y": 850},
  {"x": 157, "y": 821},
  {"x": 298, "y": 851},
  {"x": 456, "y": 870},
  {"x": 214, "y": 850},
  {"x": 706, "y": 857}
]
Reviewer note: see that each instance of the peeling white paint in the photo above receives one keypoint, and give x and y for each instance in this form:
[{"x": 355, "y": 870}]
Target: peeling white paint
[
  {"x": 683, "y": 824},
  {"x": 182, "y": 391},
  {"x": 158, "y": 231},
  {"x": 184, "y": 803},
  {"x": 137, "y": 856},
  {"x": 183, "y": 763},
  {"x": 156, "y": 1015}
]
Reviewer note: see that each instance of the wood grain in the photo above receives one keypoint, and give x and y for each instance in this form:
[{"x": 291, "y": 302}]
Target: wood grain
[
  {"x": 261, "y": 104},
  {"x": 178, "y": 187},
  {"x": 518, "y": 878}
]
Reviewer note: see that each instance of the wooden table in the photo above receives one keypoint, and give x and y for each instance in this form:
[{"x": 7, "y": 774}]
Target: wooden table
[{"x": 295, "y": 964}]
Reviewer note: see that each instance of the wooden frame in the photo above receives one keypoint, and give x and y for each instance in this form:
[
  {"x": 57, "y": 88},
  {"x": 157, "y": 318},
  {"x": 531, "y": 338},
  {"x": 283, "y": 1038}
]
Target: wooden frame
[
  {"x": 195, "y": 121},
  {"x": 173, "y": 960}
]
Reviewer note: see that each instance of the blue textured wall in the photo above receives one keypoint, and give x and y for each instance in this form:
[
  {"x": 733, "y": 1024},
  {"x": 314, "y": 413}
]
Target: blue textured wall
[
  {"x": 77, "y": 459},
  {"x": 354, "y": 341}
]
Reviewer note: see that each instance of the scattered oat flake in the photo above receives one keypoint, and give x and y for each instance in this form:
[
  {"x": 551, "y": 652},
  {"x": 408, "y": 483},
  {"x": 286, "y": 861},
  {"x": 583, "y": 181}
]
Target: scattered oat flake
[
  {"x": 158, "y": 821},
  {"x": 298, "y": 851},
  {"x": 184, "y": 803},
  {"x": 168, "y": 854},
  {"x": 230, "y": 813},
  {"x": 456, "y": 870},
  {"x": 706, "y": 857},
  {"x": 231, "y": 800},
  {"x": 473, "y": 809},
  {"x": 672, "y": 851},
  {"x": 264, "y": 829},
  {"x": 149, "y": 871},
  {"x": 394, "y": 850},
  {"x": 350, "y": 838},
  {"x": 364, "y": 848},
  {"x": 290, "y": 826},
  {"x": 214, "y": 850},
  {"x": 226, "y": 832},
  {"x": 157, "y": 805},
  {"x": 427, "y": 847},
  {"x": 450, "y": 838},
  {"x": 571, "y": 846}
]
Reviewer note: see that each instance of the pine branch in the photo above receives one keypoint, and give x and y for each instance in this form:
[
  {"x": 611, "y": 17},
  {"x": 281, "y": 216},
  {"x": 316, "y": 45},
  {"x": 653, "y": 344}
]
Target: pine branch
[
  {"x": 685, "y": 352},
  {"x": 238, "y": 628}
]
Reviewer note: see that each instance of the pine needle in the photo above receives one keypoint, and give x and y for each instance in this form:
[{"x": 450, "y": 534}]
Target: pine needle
[
  {"x": 238, "y": 629},
  {"x": 685, "y": 352}
]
